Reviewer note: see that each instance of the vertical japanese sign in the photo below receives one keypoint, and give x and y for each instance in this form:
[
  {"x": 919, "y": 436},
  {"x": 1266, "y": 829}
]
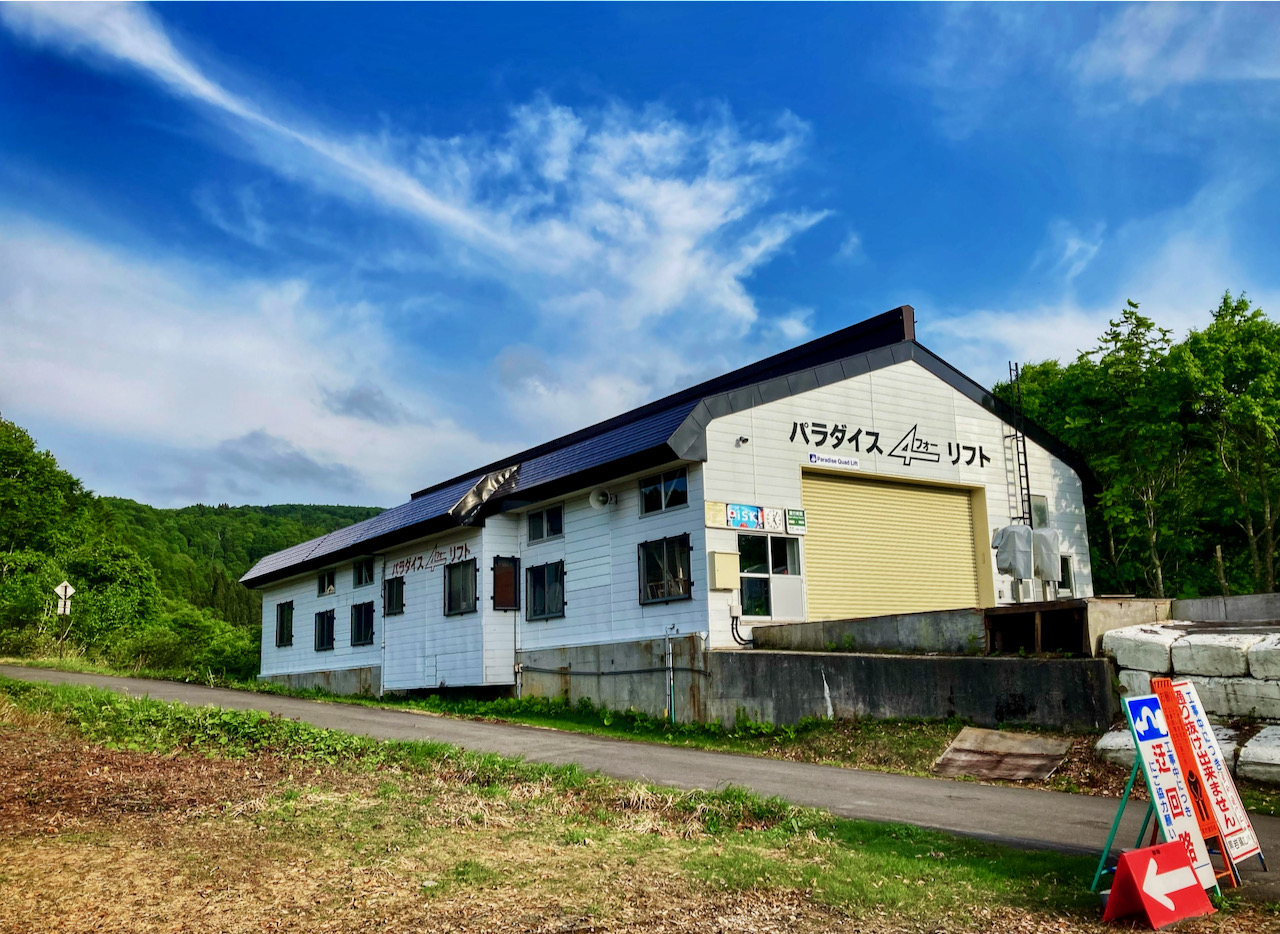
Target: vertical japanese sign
[
  {"x": 1166, "y": 783},
  {"x": 1228, "y": 811}
]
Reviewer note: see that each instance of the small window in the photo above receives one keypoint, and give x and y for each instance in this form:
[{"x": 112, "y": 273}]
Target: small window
[
  {"x": 362, "y": 624},
  {"x": 546, "y": 523},
  {"x": 1066, "y": 586},
  {"x": 786, "y": 555},
  {"x": 393, "y": 596},
  {"x": 325, "y": 584},
  {"x": 760, "y": 558},
  {"x": 324, "y": 630},
  {"x": 506, "y": 583},
  {"x": 362, "y": 573},
  {"x": 460, "y": 588},
  {"x": 284, "y": 624},
  {"x": 546, "y": 591},
  {"x": 1039, "y": 512},
  {"x": 665, "y": 570},
  {"x": 664, "y": 491}
]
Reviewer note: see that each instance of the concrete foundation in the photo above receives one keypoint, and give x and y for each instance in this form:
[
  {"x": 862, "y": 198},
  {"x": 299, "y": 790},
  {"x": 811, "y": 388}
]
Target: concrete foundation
[
  {"x": 1108, "y": 613},
  {"x": 367, "y": 681},
  {"x": 951, "y": 632}
]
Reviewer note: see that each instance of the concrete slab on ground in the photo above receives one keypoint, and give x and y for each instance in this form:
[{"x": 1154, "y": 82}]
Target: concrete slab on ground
[{"x": 1260, "y": 757}]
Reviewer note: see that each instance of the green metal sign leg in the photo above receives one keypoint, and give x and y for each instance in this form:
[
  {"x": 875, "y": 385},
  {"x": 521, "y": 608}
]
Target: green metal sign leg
[{"x": 1115, "y": 825}]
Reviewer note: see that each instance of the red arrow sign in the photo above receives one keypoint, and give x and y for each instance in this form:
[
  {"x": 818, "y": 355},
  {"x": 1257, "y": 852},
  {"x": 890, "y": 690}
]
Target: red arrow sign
[{"x": 1159, "y": 883}]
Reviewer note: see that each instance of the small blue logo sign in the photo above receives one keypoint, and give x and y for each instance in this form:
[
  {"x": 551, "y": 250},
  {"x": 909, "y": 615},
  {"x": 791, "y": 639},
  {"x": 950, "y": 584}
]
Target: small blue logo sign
[{"x": 1147, "y": 718}]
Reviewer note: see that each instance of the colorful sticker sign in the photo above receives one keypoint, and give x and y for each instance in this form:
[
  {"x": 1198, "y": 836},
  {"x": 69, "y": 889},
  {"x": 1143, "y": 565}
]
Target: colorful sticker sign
[
  {"x": 1165, "y": 781},
  {"x": 745, "y": 517},
  {"x": 1228, "y": 811}
]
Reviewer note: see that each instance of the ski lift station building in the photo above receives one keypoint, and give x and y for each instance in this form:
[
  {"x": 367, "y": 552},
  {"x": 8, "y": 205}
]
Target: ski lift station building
[{"x": 855, "y": 476}]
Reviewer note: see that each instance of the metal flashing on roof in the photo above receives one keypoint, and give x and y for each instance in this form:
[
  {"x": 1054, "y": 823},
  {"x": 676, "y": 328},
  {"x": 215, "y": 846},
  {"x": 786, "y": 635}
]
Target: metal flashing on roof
[{"x": 466, "y": 510}]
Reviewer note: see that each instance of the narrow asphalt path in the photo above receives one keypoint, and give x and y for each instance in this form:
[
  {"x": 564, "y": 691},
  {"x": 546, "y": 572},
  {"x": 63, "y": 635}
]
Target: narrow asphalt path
[{"x": 1019, "y": 816}]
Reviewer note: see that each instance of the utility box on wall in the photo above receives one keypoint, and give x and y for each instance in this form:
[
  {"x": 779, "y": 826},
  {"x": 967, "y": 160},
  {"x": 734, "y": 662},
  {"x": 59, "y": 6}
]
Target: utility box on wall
[{"x": 725, "y": 567}]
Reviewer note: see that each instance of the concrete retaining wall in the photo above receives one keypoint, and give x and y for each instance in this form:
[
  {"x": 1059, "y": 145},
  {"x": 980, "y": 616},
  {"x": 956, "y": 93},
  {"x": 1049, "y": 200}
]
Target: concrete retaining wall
[
  {"x": 1242, "y": 609},
  {"x": 953, "y": 632},
  {"x": 783, "y": 687},
  {"x": 1108, "y": 613},
  {"x": 345, "y": 681}
]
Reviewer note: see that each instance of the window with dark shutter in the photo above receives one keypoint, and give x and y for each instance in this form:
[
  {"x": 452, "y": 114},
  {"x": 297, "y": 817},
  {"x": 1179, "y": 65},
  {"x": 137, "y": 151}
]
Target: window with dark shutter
[
  {"x": 284, "y": 624},
  {"x": 362, "y": 624},
  {"x": 324, "y": 630},
  {"x": 460, "y": 588},
  {"x": 665, "y": 570},
  {"x": 546, "y": 591},
  {"x": 506, "y": 583},
  {"x": 393, "y": 596}
]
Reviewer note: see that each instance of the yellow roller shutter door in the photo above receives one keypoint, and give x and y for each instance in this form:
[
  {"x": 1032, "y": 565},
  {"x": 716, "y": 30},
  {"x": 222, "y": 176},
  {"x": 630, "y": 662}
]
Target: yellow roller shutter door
[{"x": 876, "y": 548}]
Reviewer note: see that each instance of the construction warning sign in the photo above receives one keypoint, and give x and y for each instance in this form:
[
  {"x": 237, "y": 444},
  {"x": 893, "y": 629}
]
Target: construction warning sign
[
  {"x": 1165, "y": 780},
  {"x": 1158, "y": 883}
]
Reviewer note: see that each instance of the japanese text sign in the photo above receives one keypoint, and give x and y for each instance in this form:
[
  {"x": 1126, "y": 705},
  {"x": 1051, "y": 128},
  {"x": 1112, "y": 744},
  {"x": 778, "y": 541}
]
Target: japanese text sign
[{"x": 1166, "y": 783}]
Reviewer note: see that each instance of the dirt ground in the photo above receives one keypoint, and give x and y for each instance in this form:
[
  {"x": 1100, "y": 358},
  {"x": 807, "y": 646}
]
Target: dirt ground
[{"x": 105, "y": 841}]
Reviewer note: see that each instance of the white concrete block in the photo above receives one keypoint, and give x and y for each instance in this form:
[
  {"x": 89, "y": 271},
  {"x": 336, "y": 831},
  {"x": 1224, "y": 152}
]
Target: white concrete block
[
  {"x": 1264, "y": 658},
  {"x": 1260, "y": 757},
  {"x": 1213, "y": 694},
  {"x": 1116, "y": 746},
  {"x": 1141, "y": 647},
  {"x": 1134, "y": 682},
  {"x": 1223, "y": 655},
  {"x": 1228, "y": 741},
  {"x": 1251, "y": 697}
]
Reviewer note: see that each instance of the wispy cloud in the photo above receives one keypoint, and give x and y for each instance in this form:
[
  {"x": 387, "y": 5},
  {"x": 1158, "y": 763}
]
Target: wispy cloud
[
  {"x": 1068, "y": 251},
  {"x": 603, "y": 222},
  {"x": 850, "y": 250}
]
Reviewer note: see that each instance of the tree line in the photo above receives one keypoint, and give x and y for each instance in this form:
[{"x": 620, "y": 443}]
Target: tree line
[
  {"x": 1184, "y": 440},
  {"x": 155, "y": 588}
]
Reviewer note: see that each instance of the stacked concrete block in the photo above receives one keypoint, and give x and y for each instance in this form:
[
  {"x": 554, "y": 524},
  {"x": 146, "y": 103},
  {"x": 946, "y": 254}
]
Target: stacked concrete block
[
  {"x": 1260, "y": 757},
  {"x": 1221, "y": 655},
  {"x": 1264, "y": 658},
  {"x": 1117, "y": 745},
  {"x": 1144, "y": 648}
]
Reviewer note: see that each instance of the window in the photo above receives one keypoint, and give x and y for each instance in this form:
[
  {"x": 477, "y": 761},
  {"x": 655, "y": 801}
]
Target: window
[
  {"x": 506, "y": 583},
  {"x": 362, "y": 624},
  {"x": 284, "y": 624},
  {"x": 393, "y": 596},
  {"x": 324, "y": 630},
  {"x": 460, "y": 588},
  {"x": 1039, "y": 512},
  {"x": 362, "y": 573},
  {"x": 664, "y": 491},
  {"x": 761, "y": 557},
  {"x": 1066, "y": 586},
  {"x": 664, "y": 570},
  {"x": 546, "y": 523},
  {"x": 546, "y": 591},
  {"x": 325, "y": 583}
]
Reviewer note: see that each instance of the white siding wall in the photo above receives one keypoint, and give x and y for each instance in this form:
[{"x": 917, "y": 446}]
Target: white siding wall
[
  {"x": 302, "y": 656},
  {"x": 501, "y": 536},
  {"x": 602, "y": 587},
  {"x": 766, "y": 470}
]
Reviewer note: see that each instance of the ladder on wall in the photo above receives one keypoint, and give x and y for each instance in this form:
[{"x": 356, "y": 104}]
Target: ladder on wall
[{"x": 1020, "y": 446}]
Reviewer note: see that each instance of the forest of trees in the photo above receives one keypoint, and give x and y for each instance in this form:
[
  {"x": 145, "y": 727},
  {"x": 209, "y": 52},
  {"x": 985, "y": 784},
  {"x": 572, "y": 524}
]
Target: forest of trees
[
  {"x": 155, "y": 588},
  {"x": 1184, "y": 439}
]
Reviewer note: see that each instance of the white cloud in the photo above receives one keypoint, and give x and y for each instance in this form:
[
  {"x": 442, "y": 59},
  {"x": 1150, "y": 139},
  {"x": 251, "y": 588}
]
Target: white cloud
[
  {"x": 1150, "y": 47},
  {"x": 620, "y": 230},
  {"x": 233, "y": 381},
  {"x": 850, "y": 250},
  {"x": 1068, "y": 251}
]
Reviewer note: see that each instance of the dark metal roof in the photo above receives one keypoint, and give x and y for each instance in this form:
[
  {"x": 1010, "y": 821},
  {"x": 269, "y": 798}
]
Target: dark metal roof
[{"x": 673, "y": 428}]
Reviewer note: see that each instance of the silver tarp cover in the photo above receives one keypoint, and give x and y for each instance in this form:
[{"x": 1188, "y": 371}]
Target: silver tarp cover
[
  {"x": 467, "y": 508},
  {"x": 1013, "y": 551}
]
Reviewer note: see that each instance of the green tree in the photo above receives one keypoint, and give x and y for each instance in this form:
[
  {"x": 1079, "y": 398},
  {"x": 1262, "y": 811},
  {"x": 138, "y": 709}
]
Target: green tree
[{"x": 41, "y": 505}]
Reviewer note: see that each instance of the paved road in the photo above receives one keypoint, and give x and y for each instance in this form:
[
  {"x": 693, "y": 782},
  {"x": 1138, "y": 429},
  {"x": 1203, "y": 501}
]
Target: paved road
[{"x": 1018, "y": 816}]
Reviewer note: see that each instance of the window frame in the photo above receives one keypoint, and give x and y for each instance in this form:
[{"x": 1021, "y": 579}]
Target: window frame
[
  {"x": 1039, "y": 502},
  {"x": 362, "y": 609},
  {"x": 514, "y": 564},
  {"x": 358, "y": 580},
  {"x": 1067, "y": 569},
  {"x": 329, "y": 623},
  {"x": 682, "y": 540},
  {"x": 325, "y": 580},
  {"x": 392, "y": 583},
  {"x": 449, "y": 571},
  {"x": 769, "y": 573},
  {"x": 529, "y": 578},
  {"x": 546, "y": 535},
  {"x": 661, "y": 479},
  {"x": 284, "y": 643}
]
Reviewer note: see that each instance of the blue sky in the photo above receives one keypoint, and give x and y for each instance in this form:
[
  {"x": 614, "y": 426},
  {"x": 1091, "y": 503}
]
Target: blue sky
[{"x": 334, "y": 253}]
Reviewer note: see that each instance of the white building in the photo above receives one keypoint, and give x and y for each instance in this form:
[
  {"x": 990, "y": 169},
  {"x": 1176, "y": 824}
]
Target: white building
[{"x": 857, "y": 475}]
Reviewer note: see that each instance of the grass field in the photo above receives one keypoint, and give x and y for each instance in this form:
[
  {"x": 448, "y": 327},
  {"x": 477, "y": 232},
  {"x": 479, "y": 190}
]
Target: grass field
[{"x": 126, "y": 814}]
